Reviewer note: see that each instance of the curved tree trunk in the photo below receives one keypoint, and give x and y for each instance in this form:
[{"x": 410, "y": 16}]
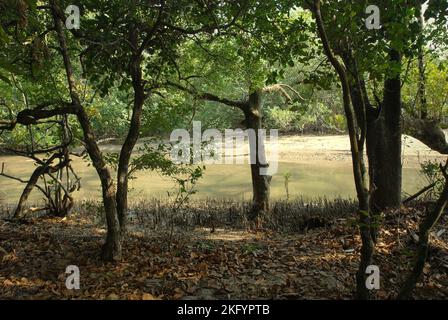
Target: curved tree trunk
[
  {"x": 19, "y": 212},
  {"x": 112, "y": 247},
  {"x": 42, "y": 169},
  {"x": 428, "y": 132},
  {"x": 356, "y": 145},
  {"x": 129, "y": 143}
]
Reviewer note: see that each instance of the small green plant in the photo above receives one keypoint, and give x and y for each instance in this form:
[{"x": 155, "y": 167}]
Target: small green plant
[
  {"x": 95, "y": 210},
  {"x": 205, "y": 245},
  {"x": 430, "y": 169},
  {"x": 251, "y": 247},
  {"x": 287, "y": 176}
]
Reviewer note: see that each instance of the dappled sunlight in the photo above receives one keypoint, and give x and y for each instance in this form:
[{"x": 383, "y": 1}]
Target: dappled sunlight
[{"x": 226, "y": 235}]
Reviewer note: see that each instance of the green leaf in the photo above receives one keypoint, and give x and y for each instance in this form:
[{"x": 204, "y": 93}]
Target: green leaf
[
  {"x": 5, "y": 79},
  {"x": 3, "y": 36}
]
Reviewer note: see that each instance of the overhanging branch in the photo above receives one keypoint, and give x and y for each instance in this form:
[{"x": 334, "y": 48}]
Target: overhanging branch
[
  {"x": 209, "y": 96},
  {"x": 31, "y": 116}
]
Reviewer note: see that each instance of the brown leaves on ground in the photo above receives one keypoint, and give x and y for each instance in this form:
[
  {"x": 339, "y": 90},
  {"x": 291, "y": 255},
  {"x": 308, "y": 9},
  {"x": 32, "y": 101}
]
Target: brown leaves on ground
[{"x": 226, "y": 264}]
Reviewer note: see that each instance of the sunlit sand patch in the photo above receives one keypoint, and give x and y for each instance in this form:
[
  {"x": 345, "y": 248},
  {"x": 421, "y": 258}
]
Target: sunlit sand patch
[{"x": 226, "y": 235}]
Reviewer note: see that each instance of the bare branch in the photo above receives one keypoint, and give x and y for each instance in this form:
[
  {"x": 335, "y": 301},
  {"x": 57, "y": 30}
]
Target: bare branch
[{"x": 280, "y": 87}]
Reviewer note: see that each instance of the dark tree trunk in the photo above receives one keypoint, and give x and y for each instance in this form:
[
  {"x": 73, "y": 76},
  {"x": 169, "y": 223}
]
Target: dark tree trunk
[
  {"x": 383, "y": 141},
  {"x": 260, "y": 183},
  {"x": 384, "y": 146},
  {"x": 366, "y": 117},
  {"x": 42, "y": 169},
  {"x": 129, "y": 143},
  {"x": 20, "y": 210},
  {"x": 374, "y": 147},
  {"x": 367, "y": 250},
  {"x": 112, "y": 247},
  {"x": 422, "y": 86},
  {"x": 421, "y": 64},
  {"x": 366, "y": 224}
]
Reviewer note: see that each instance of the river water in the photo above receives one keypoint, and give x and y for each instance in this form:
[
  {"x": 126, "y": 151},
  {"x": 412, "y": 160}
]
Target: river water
[{"x": 309, "y": 179}]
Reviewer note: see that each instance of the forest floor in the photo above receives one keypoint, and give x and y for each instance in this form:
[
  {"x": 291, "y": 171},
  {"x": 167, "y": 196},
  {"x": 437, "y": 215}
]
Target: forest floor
[{"x": 196, "y": 263}]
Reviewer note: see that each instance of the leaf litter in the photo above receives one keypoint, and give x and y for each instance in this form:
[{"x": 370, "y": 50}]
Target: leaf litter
[{"x": 226, "y": 264}]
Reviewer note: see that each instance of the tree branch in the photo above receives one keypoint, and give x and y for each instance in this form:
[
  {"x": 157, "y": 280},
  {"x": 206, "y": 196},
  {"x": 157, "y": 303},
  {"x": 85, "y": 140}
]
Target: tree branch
[
  {"x": 31, "y": 116},
  {"x": 209, "y": 96}
]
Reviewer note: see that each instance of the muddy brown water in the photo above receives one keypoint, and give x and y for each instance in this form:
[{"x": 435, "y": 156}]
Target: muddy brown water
[{"x": 309, "y": 179}]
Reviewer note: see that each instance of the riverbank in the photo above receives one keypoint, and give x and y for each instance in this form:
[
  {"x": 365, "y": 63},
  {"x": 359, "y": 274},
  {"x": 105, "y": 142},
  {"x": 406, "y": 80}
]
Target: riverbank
[{"x": 337, "y": 148}]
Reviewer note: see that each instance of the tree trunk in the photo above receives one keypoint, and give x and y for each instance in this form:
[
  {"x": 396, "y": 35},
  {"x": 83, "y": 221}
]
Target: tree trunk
[
  {"x": 383, "y": 139},
  {"x": 366, "y": 117},
  {"x": 20, "y": 210},
  {"x": 112, "y": 247},
  {"x": 421, "y": 64},
  {"x": 356, "y": 145},
  {"x": 385, "y": 146},
  {"x": 428, "y": 132},
  {"x": 260, "y": 183},
  {"x": 129, "y": 144},
  {"x": 37, "y": 173}
]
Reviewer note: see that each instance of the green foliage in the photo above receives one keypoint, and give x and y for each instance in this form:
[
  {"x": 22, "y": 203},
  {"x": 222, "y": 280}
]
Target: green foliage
[
  {"x": 436, "y": 74},
  {"x": 154, "y": 156},
  {"x": 430, "y": 169},
  {"x": 283, "y": 119},
  {"x": 217, "y": 116},
  {"x": 315, "y": 118}
]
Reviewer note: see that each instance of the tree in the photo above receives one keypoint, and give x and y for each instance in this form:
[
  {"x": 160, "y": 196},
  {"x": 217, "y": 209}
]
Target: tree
[
  {"x": 356, "y": 144},
  {"x": 241, "y": 58},
  {"x": 144, "y": 59},
  {"x": 147, "y": 51},
  {"x": 372, "y": 56}
]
